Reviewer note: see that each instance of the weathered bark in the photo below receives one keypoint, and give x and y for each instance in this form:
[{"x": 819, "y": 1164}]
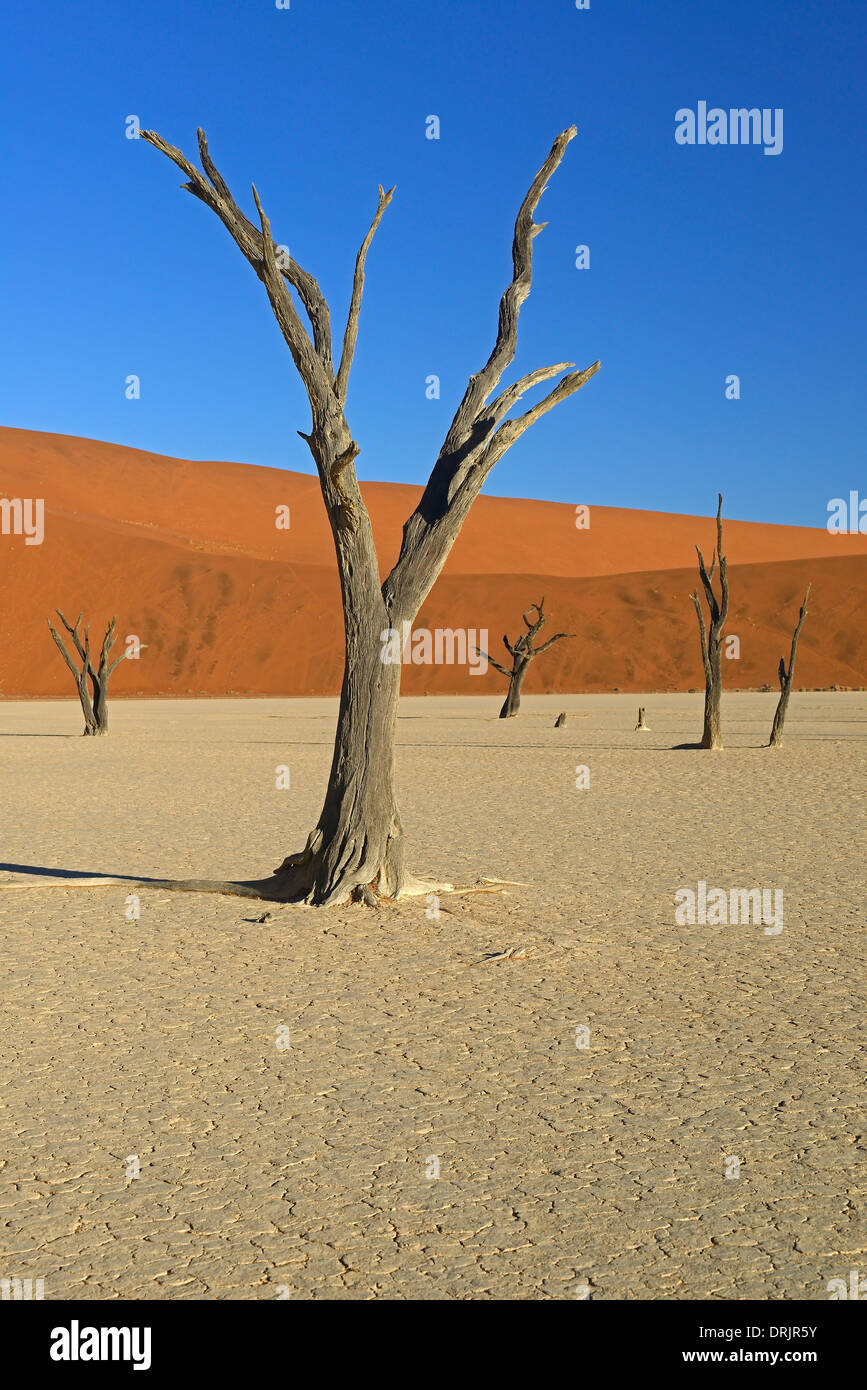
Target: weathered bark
[
  {"x": 522, "y": 653},
  {"x": 642, "y": 726},
  {"x": 79, "y": 676},
  {"x": 356, "y": 848},
  {"x": 711, "y": 641},
  {"x": 512, "y": 702},
  {"x": 786, "y": 678},
  {"x": 94, "y": 703},
  {"x": 560, "y": 720},
  {"x": 100, "y": 677}
]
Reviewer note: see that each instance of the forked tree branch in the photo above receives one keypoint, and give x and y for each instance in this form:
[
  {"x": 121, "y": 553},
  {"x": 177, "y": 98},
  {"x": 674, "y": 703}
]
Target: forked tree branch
[
  {"x": 313, "y": 359},
  {"x": 301, "y": 280},
  {"x": 476, "y": 438},
  {"x": 330, "y": 436},
  {"x": 480, "y": 432},
  {"x": 540, "y": 620},
  {"x": 63, "y": 652},
  {"x": 703, "y": 630},
  {"x": 108, "y": 641},
  {"x": 484, "y": 382},
  {"x": 786, "y": 678},
  {"x": 73, "y": 632}
]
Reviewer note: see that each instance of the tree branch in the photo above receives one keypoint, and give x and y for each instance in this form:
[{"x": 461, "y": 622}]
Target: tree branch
[
  {"x": 510, "y": 430},
  {"x": 484, "y": 382},
  {"x": 476, "y": 438},
  {"x": 63, "y": 652},
  {"x": 705, "y": 654},
  {"x": 795, "y": 635},
  {"x": 496, "y": 409},
  {"x": 73, "y": 632},
  {"x": 313, "y": 360},
  {"x": 706, "y": 584},
  {"x": 534, "y": 627},
  {"x": 107, "y": 644},
  {"x": 308, "y": 289},
  {"x": 350, "y": 337},
  {"x": 551, "y": 640},
  {"x": 496, "y": 665}
]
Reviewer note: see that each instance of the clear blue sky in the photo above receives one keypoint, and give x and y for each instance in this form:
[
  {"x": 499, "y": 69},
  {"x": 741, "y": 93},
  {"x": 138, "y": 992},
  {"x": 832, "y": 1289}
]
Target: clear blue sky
[{"x": 705, "y": 261}]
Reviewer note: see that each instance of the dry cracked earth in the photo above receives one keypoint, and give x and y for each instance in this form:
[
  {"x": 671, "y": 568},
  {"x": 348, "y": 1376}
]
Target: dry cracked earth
[{"x": 364, "y": 1104}]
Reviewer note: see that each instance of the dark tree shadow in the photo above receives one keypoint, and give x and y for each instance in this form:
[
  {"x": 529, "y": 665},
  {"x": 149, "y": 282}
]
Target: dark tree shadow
[{"x": 269, "y": 889}]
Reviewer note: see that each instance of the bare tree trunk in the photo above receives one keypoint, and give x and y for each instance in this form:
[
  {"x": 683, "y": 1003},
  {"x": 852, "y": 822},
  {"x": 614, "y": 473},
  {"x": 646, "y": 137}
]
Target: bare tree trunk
[
  {"x": 95, "y": 706},
  {"x": 80, "y": 677},
  {"x": 358, "y": 839},
  {"x": 99, "y": 679},
  {"x": 711, "y": 641},
  {"x": 711, "y": 735},
  {"x": 512, "y": 702},
  {"x": 356, "y": 848},
  {"x": 522, "y": 653},
  {"x": 786, "y": 678}
]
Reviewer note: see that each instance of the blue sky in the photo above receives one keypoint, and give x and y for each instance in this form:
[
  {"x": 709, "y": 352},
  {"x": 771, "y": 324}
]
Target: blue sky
[{"x": 704, "y": 261}]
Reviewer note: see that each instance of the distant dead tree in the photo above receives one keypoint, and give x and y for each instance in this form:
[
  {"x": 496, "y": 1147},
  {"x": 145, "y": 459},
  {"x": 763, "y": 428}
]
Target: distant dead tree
[
  {"x": 356, "y": 850},
  {"x": 94, "y": 703},
  {"x": 522, "y": 653},
  {"x": 786, "y": 678},
  {"x": 711, "y": 642}
]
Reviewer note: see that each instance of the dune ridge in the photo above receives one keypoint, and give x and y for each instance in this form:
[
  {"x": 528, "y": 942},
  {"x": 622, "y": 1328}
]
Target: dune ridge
[{"x": 189, "y": 557}]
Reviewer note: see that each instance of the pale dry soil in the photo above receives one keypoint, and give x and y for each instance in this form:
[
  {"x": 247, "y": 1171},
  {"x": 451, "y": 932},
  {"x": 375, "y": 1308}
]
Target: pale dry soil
[{"x": 286, "y": 1085}]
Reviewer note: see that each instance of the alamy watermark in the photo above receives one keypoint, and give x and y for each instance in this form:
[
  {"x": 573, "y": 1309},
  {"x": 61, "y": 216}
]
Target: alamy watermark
[
  {"x": 714, "y": 907},
  {"x": 857, "y": 1287},
  {"x": 445, "y": 646},
  {"x": 847, "y": 517},
  {"x": 737, "y": 126},
  {"x": 77, "y": 1343},
  {"x": 21, "y": 1290},
  {"x": 23, "y": 516}
]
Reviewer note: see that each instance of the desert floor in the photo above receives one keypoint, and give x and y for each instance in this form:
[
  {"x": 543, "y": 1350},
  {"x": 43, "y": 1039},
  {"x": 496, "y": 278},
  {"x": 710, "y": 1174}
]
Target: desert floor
[{"x": 286, "y": 1086}]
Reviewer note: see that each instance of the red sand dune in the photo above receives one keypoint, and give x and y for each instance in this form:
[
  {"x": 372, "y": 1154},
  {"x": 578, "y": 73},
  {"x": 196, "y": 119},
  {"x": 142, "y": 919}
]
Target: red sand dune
[{"x": 188, "y": 556}]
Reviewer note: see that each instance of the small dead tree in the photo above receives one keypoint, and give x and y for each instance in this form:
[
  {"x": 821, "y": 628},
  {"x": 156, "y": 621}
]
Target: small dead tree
[
  {"x": 711, "y": 642},
  {"x": 786, "y": 678},
  {"x": 522, "y": 653},
  {"x": 94, "y": 702},
  {"x": 356, "y": 849}
]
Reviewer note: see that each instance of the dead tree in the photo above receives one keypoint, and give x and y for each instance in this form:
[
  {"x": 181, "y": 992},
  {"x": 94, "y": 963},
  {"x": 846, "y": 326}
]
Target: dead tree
[
  {"x": 357, "y": 846},
  {"x": 786, "y": 678},
  {"x": 711, "y": 642},
  {"x": 94, "y": 702},
  {"x": 522, "y": 653}
]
